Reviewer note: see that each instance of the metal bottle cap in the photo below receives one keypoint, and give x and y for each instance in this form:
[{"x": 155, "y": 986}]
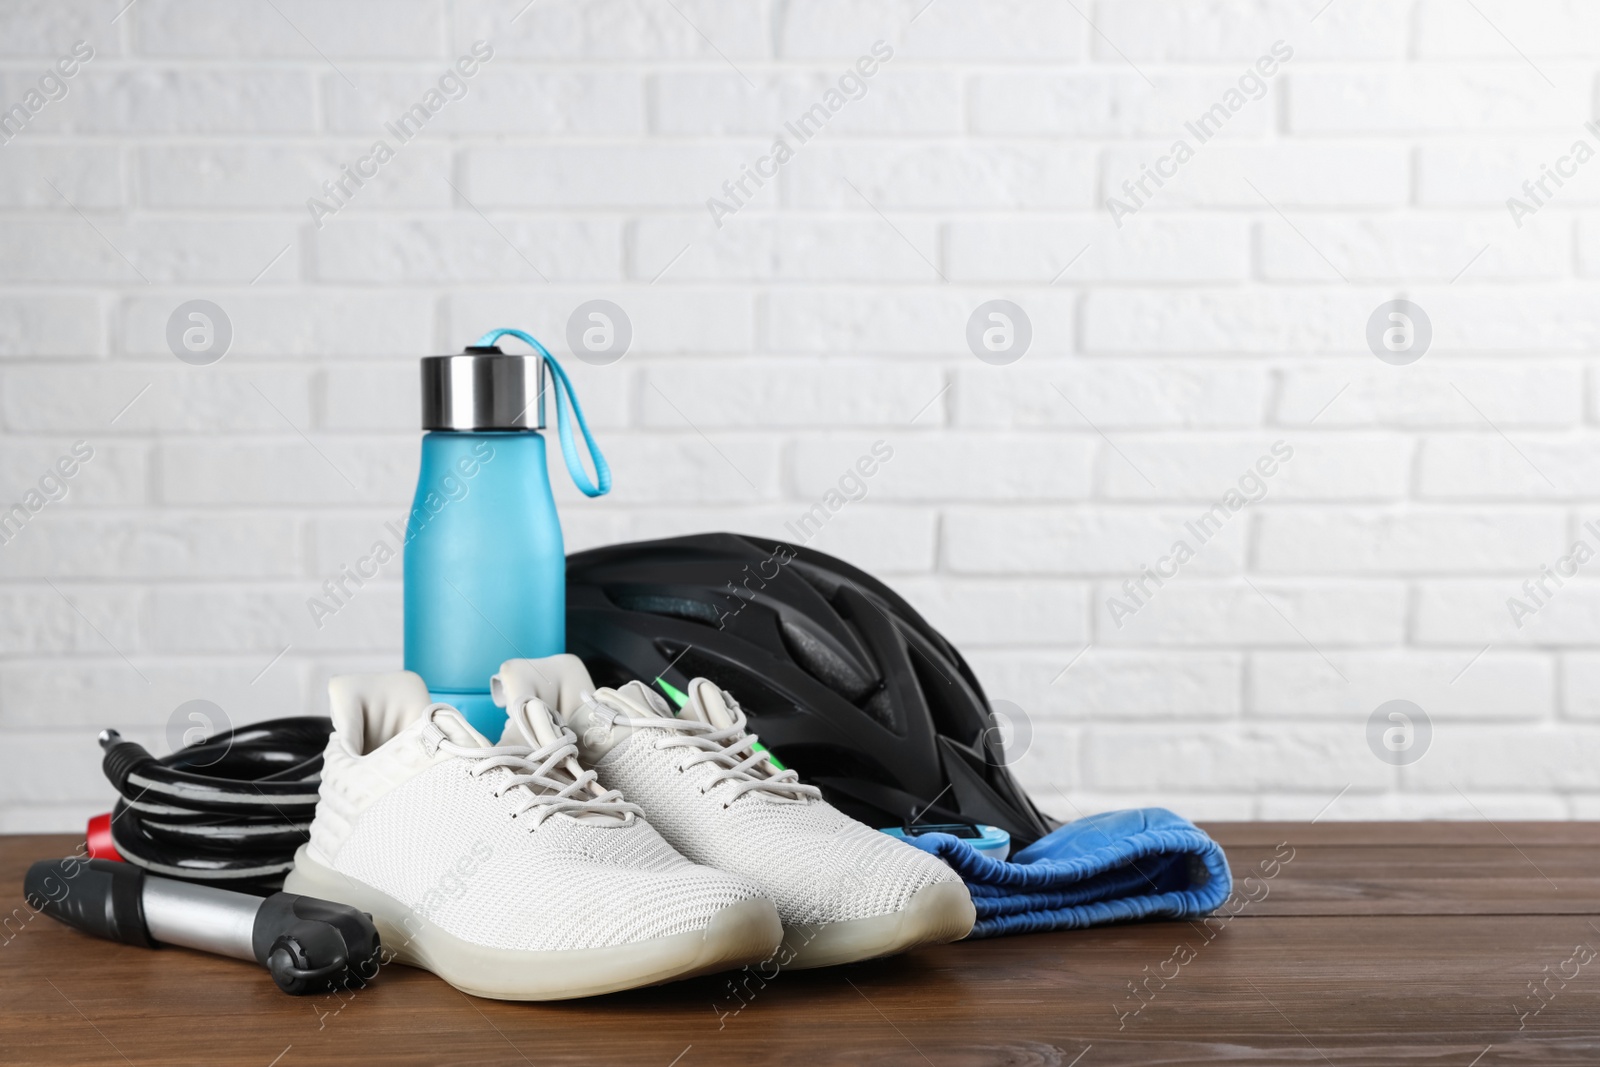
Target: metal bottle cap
[{"x": 483, "y": 389}]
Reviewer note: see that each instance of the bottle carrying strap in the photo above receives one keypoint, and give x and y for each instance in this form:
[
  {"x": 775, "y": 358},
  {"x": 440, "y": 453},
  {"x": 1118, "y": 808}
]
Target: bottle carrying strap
[{"x": 564, "y": 394}]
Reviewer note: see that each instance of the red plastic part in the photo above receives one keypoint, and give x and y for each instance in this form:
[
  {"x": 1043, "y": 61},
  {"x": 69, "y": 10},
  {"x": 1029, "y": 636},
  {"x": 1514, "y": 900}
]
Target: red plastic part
[{"x": 100, "y": 846}]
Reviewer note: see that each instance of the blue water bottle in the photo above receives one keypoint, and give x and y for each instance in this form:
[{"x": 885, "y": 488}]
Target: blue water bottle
[{"x": 485, "y": 568}]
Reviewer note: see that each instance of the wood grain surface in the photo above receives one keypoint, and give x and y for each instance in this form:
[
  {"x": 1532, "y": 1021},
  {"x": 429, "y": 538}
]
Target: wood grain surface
[{"x": 1372, "y": 943}]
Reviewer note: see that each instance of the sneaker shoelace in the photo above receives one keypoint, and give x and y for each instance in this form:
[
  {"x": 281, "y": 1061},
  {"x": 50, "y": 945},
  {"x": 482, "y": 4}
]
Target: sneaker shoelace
[
  {"x": 550, "y": 779},
  {"x": 732, "y": 750}
]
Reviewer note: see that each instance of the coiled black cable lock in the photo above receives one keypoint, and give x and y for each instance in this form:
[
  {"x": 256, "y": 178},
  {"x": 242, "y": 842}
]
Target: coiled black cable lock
[{"x": 228, "y": 812}]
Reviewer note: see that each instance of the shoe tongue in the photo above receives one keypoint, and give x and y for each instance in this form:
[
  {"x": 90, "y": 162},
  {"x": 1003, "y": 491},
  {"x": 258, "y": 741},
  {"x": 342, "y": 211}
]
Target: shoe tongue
[
  {"x": 531, "y": 722},
  {"x": 707, "y": 704},
  {"x": 636, "y": 698},
  {"x": 595, "y": 721},
  {"x": 456, "y": 729}
]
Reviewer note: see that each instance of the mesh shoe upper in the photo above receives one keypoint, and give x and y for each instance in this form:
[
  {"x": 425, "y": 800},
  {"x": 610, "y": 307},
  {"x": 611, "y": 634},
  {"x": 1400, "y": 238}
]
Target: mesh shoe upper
[
  {"x": 817, "y": 864},
  {"x": 445, "y": 846},
  {"x": 499, "y": 846}
]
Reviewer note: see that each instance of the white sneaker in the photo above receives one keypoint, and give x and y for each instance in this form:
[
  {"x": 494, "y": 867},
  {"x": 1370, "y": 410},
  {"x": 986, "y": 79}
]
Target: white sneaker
[
  {"x": 844, "y": 890},
  {"x": 508, "y": 871}
]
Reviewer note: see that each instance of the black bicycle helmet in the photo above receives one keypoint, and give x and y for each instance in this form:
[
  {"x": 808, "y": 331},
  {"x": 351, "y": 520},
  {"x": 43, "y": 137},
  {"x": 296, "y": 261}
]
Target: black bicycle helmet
[{"x": 842, "y": 679}]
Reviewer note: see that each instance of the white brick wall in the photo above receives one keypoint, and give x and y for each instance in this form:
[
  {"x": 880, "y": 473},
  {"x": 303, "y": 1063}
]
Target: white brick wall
[{"x": 1168, "y": 354}]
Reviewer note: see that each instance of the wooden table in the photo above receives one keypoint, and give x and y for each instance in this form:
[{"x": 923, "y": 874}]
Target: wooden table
[{"x": 1414, "y": 943}]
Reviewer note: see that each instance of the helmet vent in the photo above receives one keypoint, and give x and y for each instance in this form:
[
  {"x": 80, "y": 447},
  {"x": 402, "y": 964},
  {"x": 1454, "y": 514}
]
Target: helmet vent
[
  {"x": 881, "y": 707},
  {"x": 824, "y": 664},
  {"x": 675, "y": 607}
]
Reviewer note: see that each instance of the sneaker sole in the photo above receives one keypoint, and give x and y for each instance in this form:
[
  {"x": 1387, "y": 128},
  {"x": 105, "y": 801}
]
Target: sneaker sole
[
  {"x": 748, "y": 932},
  {"x": 936, "y": 914}
]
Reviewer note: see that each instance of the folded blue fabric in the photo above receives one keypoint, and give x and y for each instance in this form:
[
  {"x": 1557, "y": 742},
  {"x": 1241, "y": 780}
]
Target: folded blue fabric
[{"x": 1110, "y": 867}]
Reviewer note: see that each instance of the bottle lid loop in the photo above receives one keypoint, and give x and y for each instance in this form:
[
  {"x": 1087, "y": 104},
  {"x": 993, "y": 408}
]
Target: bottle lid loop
[{"x": 600, "y": 485}]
